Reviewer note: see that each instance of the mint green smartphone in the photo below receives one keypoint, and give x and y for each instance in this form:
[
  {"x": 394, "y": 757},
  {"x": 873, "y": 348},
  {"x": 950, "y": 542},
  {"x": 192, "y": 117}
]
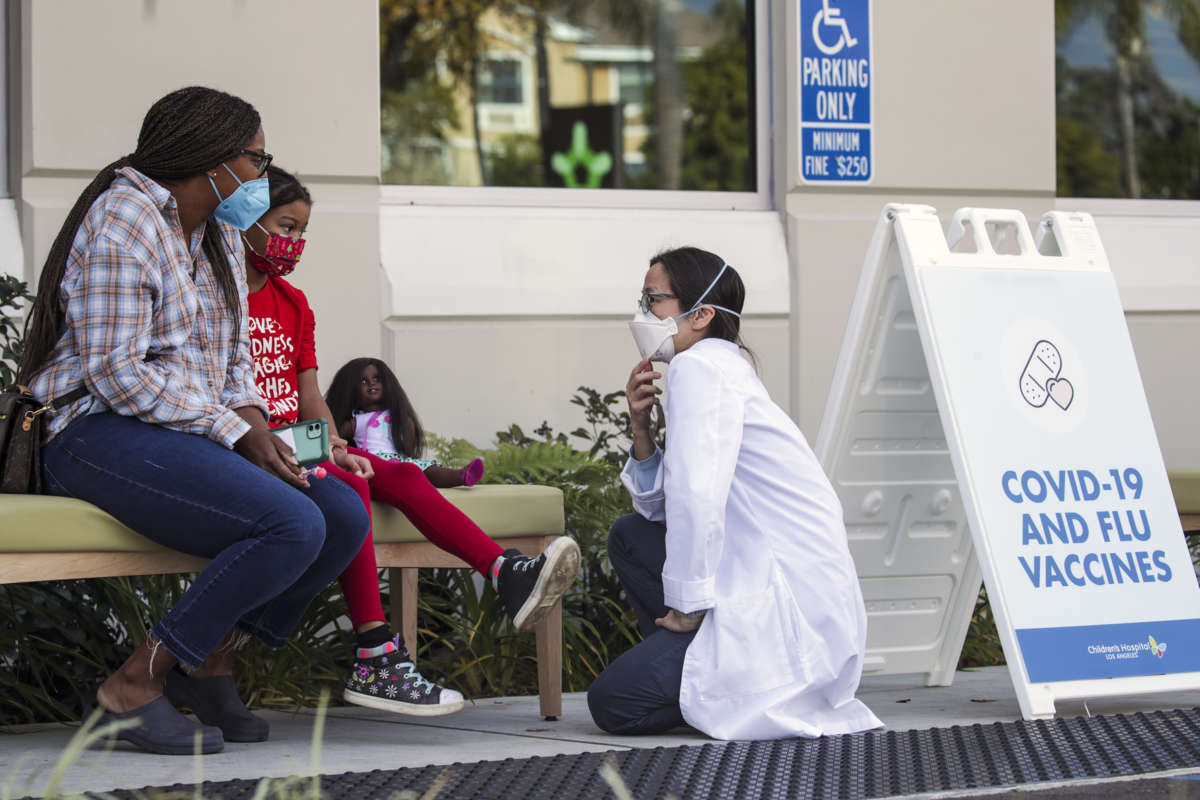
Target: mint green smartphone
[{"x": 309, "y": 440}]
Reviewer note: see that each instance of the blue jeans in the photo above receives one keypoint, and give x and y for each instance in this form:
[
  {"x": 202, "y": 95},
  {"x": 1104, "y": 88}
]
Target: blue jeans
[
  {"x": 639, "y": 692},
  {"x": 273, "y": 546}
]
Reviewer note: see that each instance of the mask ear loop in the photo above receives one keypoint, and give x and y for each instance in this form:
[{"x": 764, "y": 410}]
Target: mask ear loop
[
  {"x": 213, "y": 184},
  {"x": 704, "y": 294}
]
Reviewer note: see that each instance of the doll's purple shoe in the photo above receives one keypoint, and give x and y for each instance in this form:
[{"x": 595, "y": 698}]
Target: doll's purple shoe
[
  {"x": 472, "y": 472},
  {"x": 163, "y": 730}
]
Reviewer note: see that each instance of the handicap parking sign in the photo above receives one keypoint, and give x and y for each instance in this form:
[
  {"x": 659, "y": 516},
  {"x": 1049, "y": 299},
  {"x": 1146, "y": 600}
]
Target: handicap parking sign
[{"x": 836, "y": 84}]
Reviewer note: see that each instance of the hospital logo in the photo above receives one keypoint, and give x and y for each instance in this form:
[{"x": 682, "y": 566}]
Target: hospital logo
[
  {"x": 1158, "y": 648},
  {"x": 1042, "y": 379}
]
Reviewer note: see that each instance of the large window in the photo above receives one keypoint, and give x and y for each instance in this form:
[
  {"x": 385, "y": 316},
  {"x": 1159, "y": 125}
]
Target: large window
[
  {"x": 500, "y": 81},
  {"x": 615, "y": 94},
  {"x": 1128, "y": 98}
]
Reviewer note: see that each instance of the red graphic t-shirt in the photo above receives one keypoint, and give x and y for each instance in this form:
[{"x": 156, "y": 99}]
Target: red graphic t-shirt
[{"x": 283, "y": 344}]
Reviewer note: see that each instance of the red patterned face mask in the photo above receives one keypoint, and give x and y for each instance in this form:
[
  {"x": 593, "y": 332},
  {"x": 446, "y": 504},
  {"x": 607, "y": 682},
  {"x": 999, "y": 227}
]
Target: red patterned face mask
[{"x": 280, "y": 257}]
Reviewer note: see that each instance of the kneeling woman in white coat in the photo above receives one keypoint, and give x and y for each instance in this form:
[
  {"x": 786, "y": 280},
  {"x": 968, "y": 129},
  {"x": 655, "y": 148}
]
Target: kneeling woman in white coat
[{"x": 736, "y": 562}]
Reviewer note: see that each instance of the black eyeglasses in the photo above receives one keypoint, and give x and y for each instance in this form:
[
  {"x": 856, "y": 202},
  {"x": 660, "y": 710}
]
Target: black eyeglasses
[
  {"x": 647, "y": 299},
  {"x": 261, "y": 159}
]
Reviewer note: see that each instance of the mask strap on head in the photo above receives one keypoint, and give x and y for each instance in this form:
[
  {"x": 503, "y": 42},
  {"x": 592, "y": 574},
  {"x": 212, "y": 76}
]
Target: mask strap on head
[
  {"x": 240, "y": 183},
  {"x": 213, "y": 183},
  {"x": 704, "y": 294}
]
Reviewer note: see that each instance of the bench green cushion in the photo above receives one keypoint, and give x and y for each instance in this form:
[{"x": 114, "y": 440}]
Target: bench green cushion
[
  {"x": 1185, "y": 485},
  {"x": 37, "y": 524}
]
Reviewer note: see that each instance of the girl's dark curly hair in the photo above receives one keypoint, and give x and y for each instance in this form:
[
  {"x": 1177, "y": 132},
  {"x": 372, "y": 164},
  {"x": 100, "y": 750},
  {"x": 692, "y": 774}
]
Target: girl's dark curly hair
[{"x": 408, "y": 436}]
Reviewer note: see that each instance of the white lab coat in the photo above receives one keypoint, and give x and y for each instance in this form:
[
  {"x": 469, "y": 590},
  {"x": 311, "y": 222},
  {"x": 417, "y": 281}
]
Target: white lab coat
[{"x": 755, "y": 534}]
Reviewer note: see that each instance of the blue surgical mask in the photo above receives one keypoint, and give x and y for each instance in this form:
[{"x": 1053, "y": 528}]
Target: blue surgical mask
[{"x": 246, "y": 204}]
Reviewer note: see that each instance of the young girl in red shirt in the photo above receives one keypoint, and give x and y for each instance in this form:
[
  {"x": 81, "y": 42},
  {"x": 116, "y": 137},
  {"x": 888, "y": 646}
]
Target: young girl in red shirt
[{"x": 282, "y": 330}]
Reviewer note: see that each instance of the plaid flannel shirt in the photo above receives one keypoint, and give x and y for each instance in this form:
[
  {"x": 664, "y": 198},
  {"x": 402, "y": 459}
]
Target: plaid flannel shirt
[{"x": 145, "y": 337}]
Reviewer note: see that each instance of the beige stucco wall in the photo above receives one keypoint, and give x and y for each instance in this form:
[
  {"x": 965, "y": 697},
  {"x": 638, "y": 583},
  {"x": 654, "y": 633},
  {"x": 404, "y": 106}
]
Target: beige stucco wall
[
  {"x": 958, "y": 122},
  {"x": 497, "y": 306},
  {"x": 89, "y": 71}
]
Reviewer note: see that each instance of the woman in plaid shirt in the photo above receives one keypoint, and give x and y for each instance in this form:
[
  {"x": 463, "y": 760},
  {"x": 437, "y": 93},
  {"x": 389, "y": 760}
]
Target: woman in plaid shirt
[{"x": 141, "y": 324}]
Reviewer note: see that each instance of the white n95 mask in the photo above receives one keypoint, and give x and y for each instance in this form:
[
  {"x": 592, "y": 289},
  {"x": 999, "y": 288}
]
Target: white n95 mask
[{"x": 653, "y": 336}]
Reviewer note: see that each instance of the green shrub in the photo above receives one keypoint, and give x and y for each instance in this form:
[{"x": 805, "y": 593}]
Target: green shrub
[{"x": 13, "y": 295}]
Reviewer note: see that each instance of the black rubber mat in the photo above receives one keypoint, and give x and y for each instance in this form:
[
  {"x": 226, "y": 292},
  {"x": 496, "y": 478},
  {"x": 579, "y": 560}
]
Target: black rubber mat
[{"x": 875, "y": 764}]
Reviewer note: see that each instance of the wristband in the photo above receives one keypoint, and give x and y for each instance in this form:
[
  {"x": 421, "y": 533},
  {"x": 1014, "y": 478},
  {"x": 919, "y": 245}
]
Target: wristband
[{"x": 691, "y": 616}]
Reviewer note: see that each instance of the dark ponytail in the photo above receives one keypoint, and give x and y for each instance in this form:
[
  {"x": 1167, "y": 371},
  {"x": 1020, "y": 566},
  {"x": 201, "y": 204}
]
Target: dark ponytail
[
  {"x": 690, "y": 271},
  {"x": 285, "y": 187},
  {"x": 183, "y": 134}
]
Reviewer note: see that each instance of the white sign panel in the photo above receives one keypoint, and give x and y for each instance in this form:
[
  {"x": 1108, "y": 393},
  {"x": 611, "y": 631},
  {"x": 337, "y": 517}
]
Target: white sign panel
[{"x": 1057, "y": 462}]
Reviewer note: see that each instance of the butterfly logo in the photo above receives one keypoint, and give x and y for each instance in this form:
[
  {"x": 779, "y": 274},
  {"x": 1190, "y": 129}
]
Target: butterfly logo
[{"x": 1158, "y": 648}]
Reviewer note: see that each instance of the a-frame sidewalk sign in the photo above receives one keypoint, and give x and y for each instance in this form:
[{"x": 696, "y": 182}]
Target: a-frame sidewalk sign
[{"x": 987, "y": 420}]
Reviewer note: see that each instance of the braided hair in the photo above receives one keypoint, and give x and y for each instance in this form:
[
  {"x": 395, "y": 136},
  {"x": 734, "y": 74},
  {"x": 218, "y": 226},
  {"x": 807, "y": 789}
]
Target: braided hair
[{"x": 183, "y": 134}]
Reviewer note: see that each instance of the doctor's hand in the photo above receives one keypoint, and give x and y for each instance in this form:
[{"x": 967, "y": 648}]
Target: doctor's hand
[
  {"x": 674, "y": 621},
  {"x": 642, "y": 394}
]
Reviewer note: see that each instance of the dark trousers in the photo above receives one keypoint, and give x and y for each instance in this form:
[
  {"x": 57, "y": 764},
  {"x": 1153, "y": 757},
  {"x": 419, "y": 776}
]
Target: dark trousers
[{"x": 639, "y": 692}]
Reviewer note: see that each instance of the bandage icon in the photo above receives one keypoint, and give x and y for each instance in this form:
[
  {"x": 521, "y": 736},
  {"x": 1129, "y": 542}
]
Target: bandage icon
[{"x": 1040, "y": 379}]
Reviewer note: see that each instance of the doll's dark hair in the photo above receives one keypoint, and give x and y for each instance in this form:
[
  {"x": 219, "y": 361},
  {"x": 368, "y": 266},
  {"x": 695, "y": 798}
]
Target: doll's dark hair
[
  {"x": 183, "y": 134},
  {"x": 342, "y": 398}
]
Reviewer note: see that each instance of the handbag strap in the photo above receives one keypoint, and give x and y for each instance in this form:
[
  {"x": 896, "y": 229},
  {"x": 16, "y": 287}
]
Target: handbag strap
[
  {"x": 68, "y": 398},
  {"x": 57, "y": 405}
]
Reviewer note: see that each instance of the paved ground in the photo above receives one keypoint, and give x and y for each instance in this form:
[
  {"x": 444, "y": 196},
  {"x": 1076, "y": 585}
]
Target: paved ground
[{"x": 360, "y": 739}]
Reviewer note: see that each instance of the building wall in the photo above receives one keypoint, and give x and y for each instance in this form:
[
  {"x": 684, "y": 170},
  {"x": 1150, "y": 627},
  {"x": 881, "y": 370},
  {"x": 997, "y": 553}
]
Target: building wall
[
  {"x": 940, "y": 139},
  {"x": 496, "y": 305},
  {"x": 89, "y": 72}
]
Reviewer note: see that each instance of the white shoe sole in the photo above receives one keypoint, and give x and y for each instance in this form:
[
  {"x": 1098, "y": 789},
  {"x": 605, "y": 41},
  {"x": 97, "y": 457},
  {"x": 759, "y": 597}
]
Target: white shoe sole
[
  {"x": 559, "y": 572},
  {"x": 397, "y": 707}
]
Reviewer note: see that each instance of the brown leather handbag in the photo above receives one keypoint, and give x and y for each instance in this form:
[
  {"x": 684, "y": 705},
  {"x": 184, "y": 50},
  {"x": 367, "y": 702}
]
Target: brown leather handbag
[{"x": 21, "y": 418}]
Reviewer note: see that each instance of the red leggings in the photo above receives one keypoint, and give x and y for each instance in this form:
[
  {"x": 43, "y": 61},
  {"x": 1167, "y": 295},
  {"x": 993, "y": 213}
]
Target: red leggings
[{"x": 403, "y": 484}]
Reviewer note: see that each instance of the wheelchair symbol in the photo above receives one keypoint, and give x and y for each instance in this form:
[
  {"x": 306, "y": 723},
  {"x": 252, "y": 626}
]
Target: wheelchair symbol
[{"x": 831, "y": 18}]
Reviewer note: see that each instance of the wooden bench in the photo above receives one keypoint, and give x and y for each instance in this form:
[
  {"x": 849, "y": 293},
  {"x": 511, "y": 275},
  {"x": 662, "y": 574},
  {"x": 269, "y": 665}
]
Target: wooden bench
[{"x": 57, "y": 538}]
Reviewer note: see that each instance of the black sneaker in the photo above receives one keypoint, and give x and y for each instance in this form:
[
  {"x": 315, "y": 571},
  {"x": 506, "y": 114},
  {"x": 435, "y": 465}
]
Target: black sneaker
[
  {"x": 389, "y": 681},
  {"x": 529, "y": 587}
]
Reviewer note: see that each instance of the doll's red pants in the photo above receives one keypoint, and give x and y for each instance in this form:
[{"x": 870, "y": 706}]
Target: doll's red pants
[{"x": 403, "y": 484}]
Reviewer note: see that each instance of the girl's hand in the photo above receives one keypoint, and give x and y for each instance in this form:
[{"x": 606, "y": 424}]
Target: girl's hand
[
  {"x": 642, "y": 395},
  {"x": 354, "y": 464},
  {"x": 674, "y": 621},
  {"x": 266, "y": 450}
]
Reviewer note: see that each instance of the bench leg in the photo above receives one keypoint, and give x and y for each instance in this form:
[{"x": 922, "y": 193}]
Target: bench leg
[
  {"x": 549, "y": 663},
  {"x": 404, "y": 606}
]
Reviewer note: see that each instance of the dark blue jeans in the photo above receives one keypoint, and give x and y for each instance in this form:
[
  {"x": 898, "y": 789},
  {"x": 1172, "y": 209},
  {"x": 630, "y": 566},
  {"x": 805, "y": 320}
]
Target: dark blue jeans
[
  {"x": 639, "y": 692},
  {"x": 273, "y": 547}
]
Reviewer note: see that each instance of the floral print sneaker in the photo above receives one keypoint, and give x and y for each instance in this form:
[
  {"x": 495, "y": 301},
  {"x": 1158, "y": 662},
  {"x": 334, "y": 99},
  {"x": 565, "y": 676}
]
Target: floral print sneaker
[{"x": 385, "y": 677}]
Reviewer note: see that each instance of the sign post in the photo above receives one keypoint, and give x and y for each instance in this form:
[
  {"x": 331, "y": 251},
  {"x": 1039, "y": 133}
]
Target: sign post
[
  {"x": 835, "y": 41},
  {"x": 1056, "y": 463}
]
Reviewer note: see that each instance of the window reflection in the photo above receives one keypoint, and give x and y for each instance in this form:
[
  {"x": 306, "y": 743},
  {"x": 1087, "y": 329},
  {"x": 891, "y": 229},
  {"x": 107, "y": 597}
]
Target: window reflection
[
  {"x": 1128, "y": 98},
  {"x": 649, "y": 94}
]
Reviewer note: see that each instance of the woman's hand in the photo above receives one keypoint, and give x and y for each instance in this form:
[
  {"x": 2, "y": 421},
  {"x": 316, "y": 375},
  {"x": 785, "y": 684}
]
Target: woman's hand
[
  {"x": 674, "y": 621},
  {"x": 642, "y": 396},
  {"x": 264, "y": 449},
  {"x": 354, "y": 464}
]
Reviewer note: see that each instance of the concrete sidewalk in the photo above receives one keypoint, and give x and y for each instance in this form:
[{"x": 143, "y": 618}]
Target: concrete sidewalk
[{"x": 358, "y": 739}]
